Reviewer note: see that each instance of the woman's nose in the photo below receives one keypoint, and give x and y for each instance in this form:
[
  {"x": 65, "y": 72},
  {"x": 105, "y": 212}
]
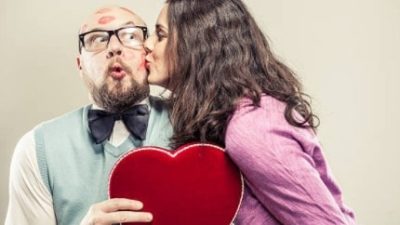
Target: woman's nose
[{"x": 148, "y": 44}]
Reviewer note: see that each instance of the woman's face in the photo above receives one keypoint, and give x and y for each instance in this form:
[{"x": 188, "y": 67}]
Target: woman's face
[{"x": 155, "y": 45}]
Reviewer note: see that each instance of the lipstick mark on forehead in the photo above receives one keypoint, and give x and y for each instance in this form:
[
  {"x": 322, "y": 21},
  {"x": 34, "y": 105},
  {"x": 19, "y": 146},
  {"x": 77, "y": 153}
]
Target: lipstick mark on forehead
[
  {"x": 105, "y": 19},
  {"x": 104, "y": 10}
]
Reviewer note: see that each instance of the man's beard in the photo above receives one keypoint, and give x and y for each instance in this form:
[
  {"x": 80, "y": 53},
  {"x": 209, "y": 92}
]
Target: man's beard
[{"x": 116, "y": 96}]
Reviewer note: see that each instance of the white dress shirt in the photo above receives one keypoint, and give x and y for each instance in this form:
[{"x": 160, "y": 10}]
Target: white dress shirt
[{"x": 30, "y": 202}]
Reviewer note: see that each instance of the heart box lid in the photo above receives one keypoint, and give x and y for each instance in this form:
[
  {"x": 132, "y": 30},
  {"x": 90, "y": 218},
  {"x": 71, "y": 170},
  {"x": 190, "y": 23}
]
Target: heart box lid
[{"x": 196, "y": 184}]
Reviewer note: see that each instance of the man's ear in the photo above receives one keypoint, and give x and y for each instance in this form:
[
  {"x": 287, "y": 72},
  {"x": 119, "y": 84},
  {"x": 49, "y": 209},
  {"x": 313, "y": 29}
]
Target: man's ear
[{"x": 78, "y": 62}]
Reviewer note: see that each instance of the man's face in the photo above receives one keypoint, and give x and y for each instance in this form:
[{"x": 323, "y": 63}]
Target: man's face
[{"x": 116, "y": 74}]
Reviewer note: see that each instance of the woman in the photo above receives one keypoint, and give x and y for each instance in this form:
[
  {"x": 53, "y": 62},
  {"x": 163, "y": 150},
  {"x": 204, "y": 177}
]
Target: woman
[{"x": 228, "y": 88}]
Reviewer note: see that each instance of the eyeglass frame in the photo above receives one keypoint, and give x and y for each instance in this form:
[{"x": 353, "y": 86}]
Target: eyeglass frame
[{"x": 110, "y": 34}]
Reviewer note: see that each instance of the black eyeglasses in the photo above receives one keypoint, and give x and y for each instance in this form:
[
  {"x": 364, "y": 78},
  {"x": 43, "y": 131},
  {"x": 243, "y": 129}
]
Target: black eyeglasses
[{"x": 97, "y": 40}]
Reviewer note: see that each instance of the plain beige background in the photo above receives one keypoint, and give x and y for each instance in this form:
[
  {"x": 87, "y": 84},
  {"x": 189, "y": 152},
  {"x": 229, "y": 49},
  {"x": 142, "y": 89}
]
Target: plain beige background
[{"x": 346, "y": 52}]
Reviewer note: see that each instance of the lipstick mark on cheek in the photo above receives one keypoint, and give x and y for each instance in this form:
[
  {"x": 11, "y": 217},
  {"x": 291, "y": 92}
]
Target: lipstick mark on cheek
[
  {"x": 142, "y": 62},
  {"x": 105, "y": 19},
  {"x": 138, "y": 61},
  {"x": 142, "y": 65}
]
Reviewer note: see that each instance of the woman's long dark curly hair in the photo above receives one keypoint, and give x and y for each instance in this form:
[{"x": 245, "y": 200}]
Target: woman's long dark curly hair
[{"x": 217, "y": 56}]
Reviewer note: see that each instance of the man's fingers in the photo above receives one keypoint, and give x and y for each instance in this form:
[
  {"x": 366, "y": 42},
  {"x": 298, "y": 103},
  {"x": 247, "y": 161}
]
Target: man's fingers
[
  {"x": 126, "y": 217},
  {"x": 115, "y": 211},
  {"x": 120, "y": 204}
]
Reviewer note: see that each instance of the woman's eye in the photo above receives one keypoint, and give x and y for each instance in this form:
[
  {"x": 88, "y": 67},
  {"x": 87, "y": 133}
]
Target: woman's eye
[{"x": 160, "y": 35}]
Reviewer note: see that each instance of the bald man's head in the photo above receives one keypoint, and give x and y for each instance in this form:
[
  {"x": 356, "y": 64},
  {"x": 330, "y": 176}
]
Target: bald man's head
[
  {"x": 110, "y": 17},
  {"x": 111, "y": 58}
]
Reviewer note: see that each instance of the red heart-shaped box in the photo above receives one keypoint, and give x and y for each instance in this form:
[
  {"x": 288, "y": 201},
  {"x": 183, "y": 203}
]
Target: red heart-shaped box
[{"x": 197, "y": 184}]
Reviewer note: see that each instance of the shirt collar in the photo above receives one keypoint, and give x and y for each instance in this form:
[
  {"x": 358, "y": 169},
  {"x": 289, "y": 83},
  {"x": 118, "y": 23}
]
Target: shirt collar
[{"x": 145, "y": 101}]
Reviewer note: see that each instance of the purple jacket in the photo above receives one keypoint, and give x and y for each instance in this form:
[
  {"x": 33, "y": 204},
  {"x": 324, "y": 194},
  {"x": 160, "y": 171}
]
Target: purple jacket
[{"x": 287, "y": 180}]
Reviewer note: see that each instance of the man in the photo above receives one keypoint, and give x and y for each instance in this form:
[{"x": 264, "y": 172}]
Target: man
[{"x": 60, "y": 169}]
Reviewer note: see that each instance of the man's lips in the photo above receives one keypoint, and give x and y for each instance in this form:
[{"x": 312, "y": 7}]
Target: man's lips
[{"x": 117, "y": 71}]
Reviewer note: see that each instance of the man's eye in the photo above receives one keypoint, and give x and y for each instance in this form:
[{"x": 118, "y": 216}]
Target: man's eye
[
  {"x": 130, "y": 37},
  {"x": 98, "y": 39}
]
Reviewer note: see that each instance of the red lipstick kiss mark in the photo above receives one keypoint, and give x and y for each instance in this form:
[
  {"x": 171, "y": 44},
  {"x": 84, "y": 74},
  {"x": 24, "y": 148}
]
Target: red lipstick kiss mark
[
  {"x": 105, "y": 19},
  {"x": 142, "y": 65},
  {"x": 101, "y": 11}
]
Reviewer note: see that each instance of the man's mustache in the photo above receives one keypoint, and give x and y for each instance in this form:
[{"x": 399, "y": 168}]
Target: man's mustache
[{"x": 123, "y": 66}]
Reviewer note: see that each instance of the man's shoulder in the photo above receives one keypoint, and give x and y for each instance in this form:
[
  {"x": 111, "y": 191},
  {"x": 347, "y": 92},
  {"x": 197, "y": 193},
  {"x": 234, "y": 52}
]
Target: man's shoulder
[{"x": 70, "y": 118}]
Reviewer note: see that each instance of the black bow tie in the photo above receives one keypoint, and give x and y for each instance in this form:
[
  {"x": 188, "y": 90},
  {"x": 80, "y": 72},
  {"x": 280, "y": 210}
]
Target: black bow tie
[{"x": 101, "y": 123}]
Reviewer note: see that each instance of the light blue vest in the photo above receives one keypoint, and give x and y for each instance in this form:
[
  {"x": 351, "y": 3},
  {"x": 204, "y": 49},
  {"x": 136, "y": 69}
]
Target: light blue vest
[{"x": 75, "y": 169}]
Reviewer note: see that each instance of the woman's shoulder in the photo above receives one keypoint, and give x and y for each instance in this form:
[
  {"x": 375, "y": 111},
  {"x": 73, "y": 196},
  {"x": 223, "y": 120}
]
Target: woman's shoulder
[
  {"x": 269, "y": 108},
  {"x": 249, "y": 119},
  {"x": 266, "y": 121}
]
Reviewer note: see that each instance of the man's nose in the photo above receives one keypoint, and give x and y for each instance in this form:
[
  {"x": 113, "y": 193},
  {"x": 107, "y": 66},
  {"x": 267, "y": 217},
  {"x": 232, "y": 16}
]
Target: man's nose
[{"x": 114, "y": 47}]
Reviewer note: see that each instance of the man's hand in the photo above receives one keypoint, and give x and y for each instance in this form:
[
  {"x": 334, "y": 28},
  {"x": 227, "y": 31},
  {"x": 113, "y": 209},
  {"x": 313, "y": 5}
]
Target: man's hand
[{"x": 116, "y": 210}]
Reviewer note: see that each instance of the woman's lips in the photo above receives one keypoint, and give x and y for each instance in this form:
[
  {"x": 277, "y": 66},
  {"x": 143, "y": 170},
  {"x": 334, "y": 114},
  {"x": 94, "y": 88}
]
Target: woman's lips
[{"x": 147, "y": 64}]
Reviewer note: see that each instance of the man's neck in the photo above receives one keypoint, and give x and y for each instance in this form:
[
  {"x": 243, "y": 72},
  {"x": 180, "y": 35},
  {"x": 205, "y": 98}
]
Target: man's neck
[{"x": 145, "y": 101}]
